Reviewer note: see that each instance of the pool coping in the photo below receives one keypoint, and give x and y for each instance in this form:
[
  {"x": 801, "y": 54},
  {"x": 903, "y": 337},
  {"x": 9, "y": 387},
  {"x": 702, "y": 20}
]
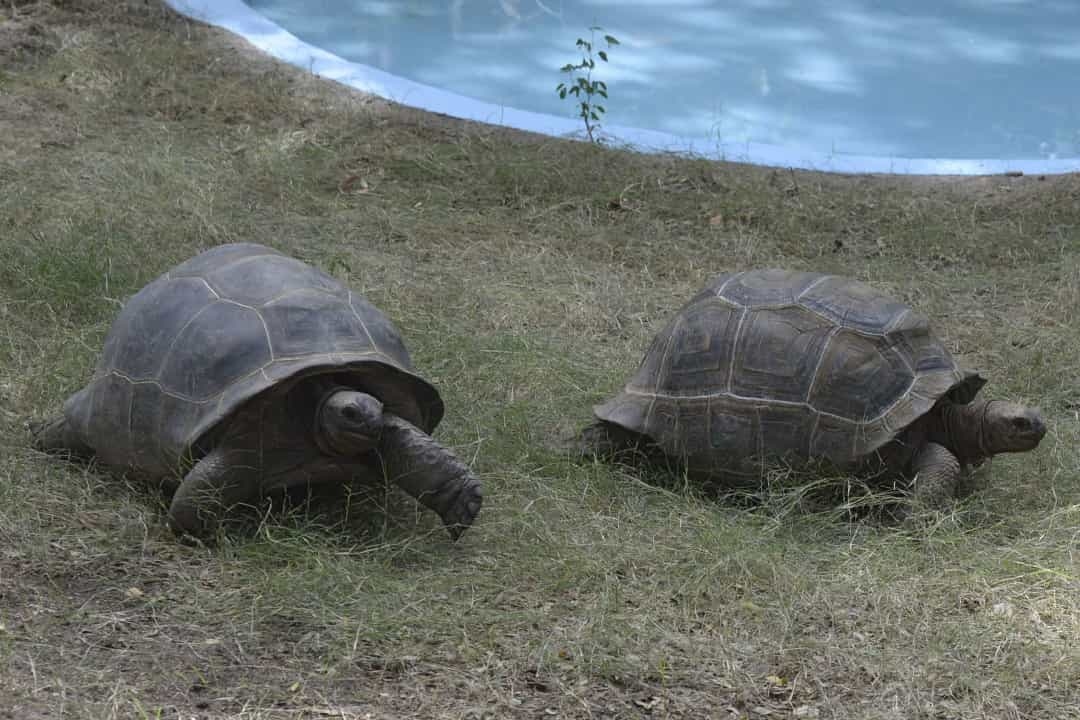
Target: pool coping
[{"x": 240, "y": 19}]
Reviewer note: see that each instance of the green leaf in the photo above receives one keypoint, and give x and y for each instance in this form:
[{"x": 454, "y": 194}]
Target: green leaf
[
  {"x": 611, "y": 40},
  {"x": 603, "y": 55}
]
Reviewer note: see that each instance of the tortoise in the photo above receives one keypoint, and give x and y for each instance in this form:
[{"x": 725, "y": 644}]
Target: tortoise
[
  {"x": 243, "y": 371},
  {"x": 775, "y": 365}
]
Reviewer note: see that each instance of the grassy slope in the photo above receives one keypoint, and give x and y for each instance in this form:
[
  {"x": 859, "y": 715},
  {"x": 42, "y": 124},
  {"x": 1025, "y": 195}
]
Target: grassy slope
[{"x": 528, "y": 275}]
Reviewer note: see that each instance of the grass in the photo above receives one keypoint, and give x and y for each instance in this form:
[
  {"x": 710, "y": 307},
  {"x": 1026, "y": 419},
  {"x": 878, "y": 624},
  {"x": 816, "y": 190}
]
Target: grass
[{"x": 528, "y": 275}]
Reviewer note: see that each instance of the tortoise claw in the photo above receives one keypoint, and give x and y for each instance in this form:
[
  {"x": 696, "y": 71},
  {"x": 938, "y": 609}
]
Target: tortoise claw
[{"x": 462, "y": 511}]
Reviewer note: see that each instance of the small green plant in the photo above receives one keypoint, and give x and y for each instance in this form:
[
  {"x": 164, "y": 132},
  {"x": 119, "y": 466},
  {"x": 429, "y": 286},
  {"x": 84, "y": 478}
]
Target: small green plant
[{"x": 582, "y": 86}]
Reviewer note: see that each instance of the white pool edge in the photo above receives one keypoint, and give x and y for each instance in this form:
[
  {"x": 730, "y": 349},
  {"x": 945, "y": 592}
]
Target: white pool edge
[{"x": 242, "y": 20}]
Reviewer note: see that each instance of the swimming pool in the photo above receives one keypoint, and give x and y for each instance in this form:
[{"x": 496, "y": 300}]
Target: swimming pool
[{"x": 932, "y": 86}]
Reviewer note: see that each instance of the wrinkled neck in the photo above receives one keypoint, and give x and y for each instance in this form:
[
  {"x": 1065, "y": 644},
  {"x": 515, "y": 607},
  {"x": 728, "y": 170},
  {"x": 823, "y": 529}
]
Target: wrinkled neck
[{"x": 963, "y": 430}]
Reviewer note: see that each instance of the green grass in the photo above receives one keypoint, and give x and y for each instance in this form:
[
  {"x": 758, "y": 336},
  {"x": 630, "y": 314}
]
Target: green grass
[{"x": 528, "y": 275}]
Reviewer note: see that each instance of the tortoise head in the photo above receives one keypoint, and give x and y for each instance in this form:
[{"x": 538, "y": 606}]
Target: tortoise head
[
  {"x": 1011, "y": 427},
  {"x": 348, "y": 423}
]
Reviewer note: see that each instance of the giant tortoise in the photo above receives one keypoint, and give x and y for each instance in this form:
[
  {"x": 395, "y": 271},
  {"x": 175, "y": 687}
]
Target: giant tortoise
[
  {"x": 771, "y": 365},
  {"x": 243, "y": 371}
]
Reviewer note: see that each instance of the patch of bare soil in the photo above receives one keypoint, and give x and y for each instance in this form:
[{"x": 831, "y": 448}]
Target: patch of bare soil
[{"x": 100, "y": 635}]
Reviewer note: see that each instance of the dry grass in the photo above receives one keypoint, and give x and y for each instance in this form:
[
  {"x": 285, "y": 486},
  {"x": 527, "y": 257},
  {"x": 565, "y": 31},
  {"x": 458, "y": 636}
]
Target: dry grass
[{"x": 528, "y": 275}]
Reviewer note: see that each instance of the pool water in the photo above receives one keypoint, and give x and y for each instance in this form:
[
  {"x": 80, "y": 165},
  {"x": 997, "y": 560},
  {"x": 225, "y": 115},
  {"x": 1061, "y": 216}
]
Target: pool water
[{"x": 962, "y": 79}]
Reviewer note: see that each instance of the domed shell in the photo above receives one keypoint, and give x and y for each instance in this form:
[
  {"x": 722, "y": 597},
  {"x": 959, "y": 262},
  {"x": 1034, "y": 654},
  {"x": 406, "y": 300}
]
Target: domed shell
[
  {"x": 775, "y": 363},
  {"x": 195, "y": 344}
]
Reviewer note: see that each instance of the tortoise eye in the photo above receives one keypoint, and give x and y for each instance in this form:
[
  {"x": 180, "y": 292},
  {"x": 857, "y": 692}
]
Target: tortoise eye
[
  {"x": 350, "y": 413},
  {"x": 1021, "y": 423}
]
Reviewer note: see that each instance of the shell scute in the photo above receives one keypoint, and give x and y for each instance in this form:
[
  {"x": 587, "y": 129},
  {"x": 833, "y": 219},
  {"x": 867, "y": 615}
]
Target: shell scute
[
  {"x": 222, "y": 344},
  {"x": 696, "y": 359},
  {"x": 765, "y": 287},
  {"x": 260, "y": 279},
  {"x": 859, "y": 377},
  {"x": 312, "y": 319},
  {"x": 777, "y": 354},
  {"x": 852, "y": 304},
  {"x": 150, "y": 322}
]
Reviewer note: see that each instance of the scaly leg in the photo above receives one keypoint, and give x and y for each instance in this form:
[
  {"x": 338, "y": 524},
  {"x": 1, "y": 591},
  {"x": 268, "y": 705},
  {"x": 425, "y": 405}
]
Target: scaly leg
[
  {"x": 936, "y": 473},
  {"x": 432, "y": 474},
  {"x": 217, "y": 482},
  {"x": 608, "y": 441}
]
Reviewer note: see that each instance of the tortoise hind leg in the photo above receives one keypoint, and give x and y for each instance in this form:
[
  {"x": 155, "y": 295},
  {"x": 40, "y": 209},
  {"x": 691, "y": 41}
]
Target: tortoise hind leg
[
  {"x": 613, "y": 442},
  {"x": 601, "y": 439},
  {"x": 57, "y": 437},
  {"x": 432, "y": 474}
]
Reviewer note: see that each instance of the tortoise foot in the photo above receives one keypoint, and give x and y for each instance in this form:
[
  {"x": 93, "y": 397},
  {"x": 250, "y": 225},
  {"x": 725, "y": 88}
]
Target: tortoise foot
[{"x": 461, "y": 509}]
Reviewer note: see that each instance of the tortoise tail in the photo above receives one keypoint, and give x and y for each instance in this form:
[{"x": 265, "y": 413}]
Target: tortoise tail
[{"x": 57, "y": 437}]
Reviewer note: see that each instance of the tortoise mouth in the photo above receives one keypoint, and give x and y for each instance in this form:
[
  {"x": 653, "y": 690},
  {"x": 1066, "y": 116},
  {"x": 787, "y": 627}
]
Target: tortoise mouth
[
  {"x": 356, "y": 444},
  {"x": 1033, "y": 437},
  {"x": 347, "y": 445}
]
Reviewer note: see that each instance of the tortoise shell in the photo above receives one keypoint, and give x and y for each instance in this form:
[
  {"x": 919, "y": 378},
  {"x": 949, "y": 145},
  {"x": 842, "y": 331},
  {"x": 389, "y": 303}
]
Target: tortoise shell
[
  {"x": 239, "y": 320},
  {"x": 774, "y": 363}
]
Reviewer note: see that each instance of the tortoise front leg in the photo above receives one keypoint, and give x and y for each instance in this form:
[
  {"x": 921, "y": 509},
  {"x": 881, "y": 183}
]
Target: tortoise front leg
[
  {"x": 429, "y": 472},
  {"x": 219, "y": 481},
  {"x": 56, "y": 436},
  {"x": 936, "y": 477}
]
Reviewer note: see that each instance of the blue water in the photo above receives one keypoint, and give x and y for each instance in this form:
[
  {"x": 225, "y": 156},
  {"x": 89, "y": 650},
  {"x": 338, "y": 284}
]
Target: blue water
[{"x": 918, "y": 78}]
